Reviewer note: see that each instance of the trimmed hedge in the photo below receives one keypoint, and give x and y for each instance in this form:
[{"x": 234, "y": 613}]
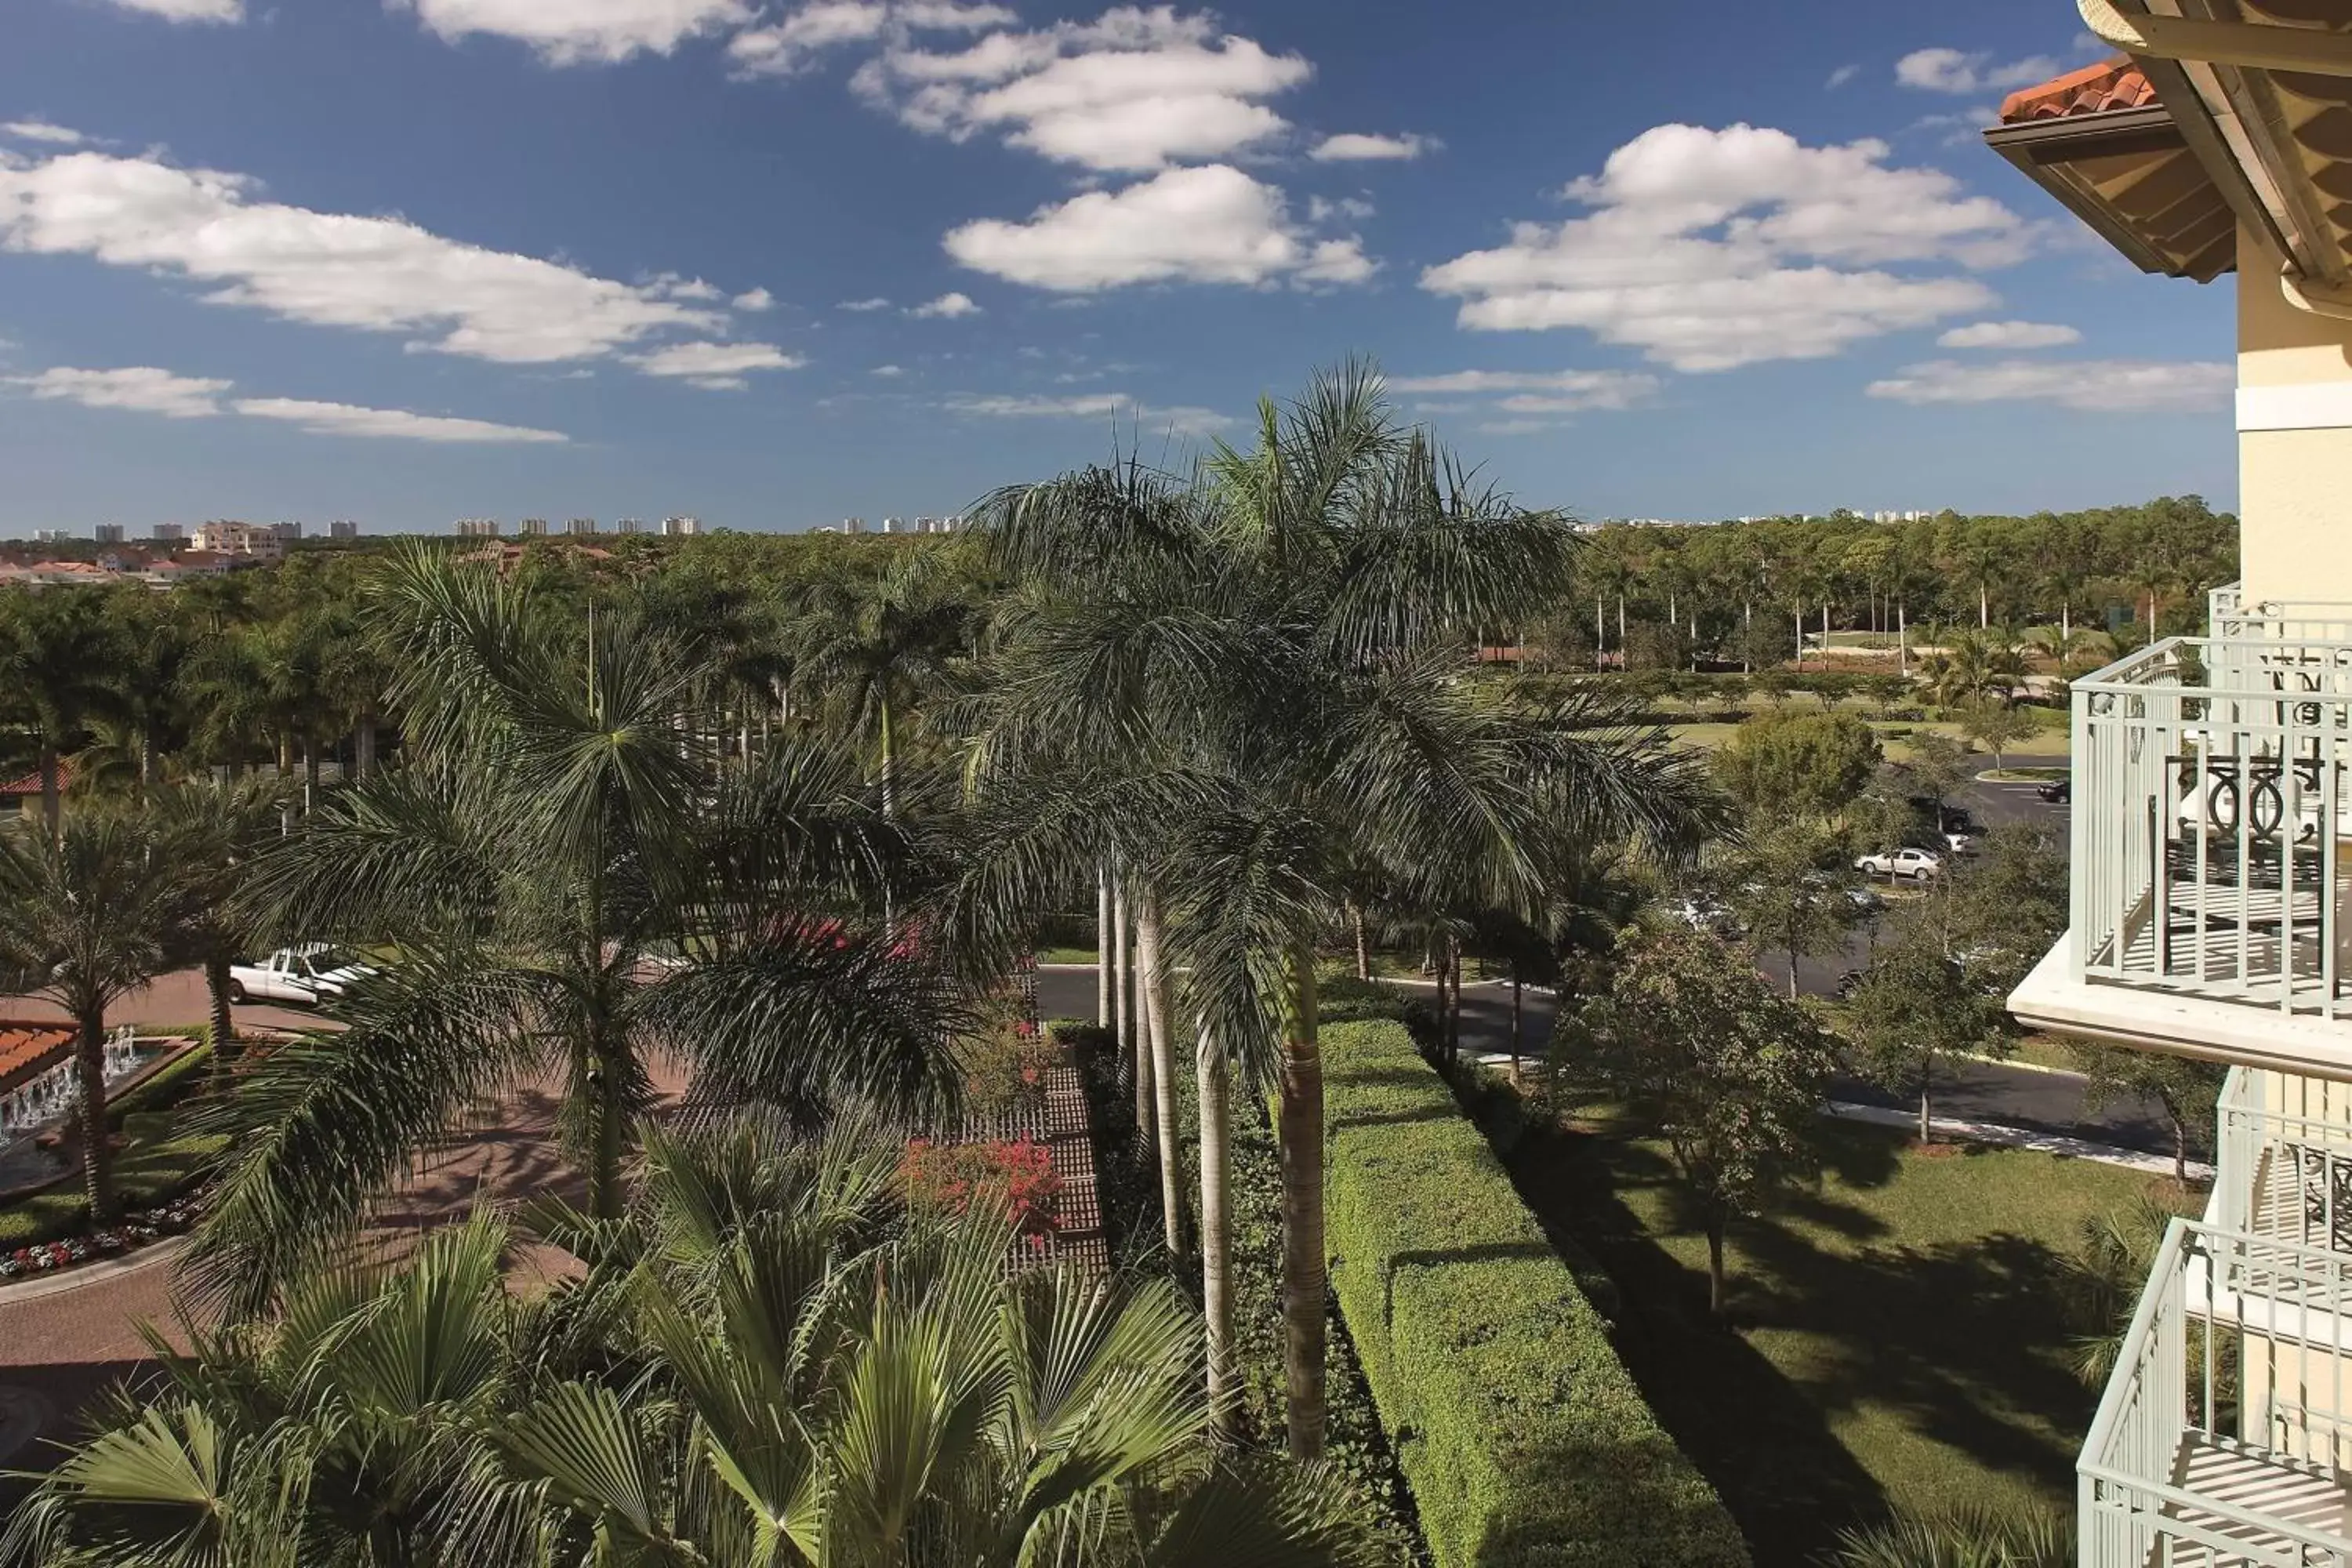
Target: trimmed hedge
[{"x": 1524, "y": 1437}]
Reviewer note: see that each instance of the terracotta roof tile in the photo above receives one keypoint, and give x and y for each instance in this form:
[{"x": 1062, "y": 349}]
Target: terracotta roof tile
[
  {"x": 2095, "y": 89},
  {"x": 30, "y": 785},
  {"x": 27, "y": 1049}
]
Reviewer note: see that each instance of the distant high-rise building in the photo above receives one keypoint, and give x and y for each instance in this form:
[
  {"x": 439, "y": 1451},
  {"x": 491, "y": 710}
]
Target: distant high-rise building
[
  {"x": 890, "y": 525},
  {"x": 581, "y": 525},
  {"x": 533, "y": 527},
  {"x": 286, "y": 530},
  {"x": 167, "y": 534},
  {"x": 677, "y": 526},
  {"x": 950, "y": 524},
  {"x": 478, "y": 528},
  {"x": 629, "y": 525},
  {"x": 852, "y": 525},
  {"x": 344, "y": 528},
  {"x": 50, "y": 535},
  {"x": 107, "y": 533}
]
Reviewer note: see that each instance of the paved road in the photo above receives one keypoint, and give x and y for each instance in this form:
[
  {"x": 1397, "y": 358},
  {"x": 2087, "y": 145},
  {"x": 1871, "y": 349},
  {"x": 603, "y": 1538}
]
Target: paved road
[{"x": 177, "y": 1000}]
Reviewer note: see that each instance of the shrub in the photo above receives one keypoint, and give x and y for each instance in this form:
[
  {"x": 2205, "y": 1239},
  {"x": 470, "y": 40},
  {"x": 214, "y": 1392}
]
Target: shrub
[
  {"x": 1523, "y": 1435},
  {"x": 1005, "y": 1060},
  {"x": 949, "y": 1175}
]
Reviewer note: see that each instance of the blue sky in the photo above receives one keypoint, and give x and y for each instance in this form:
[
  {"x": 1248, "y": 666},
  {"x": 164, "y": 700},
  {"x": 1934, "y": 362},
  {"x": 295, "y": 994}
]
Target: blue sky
[{"x": 775, "y": 262}]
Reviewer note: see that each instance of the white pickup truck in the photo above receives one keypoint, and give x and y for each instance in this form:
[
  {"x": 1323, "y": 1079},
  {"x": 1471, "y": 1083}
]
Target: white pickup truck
[{"x": 310, "y": 974}]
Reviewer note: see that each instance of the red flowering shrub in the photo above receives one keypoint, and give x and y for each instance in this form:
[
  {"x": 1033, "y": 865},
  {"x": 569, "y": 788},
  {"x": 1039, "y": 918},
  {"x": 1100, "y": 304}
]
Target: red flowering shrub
[
  {"x": 1006, "y": 1060},
  {"x": 949, "y": 1175}
]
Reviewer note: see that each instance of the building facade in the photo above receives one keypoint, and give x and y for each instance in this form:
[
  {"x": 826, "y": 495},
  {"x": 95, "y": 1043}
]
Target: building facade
[
  {"x": 250, "y": 540},
  {"x": 2211, "y": 864}
]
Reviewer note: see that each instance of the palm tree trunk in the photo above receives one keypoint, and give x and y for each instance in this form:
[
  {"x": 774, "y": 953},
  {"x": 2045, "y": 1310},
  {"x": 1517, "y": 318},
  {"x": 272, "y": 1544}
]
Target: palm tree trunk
[
  {"x": 1301, "y": 1132},
  {"x": 1516, "y": 988},
  {"x": 889, "y": 766},
  {"x": 1927, "y": 1122},
  {"x": 1714, "y": 1264},
  {"x": 96, "y": 1157},
  {"x": 1147, "y": 1056},
  {"x": 1902, "y": 640},
  {"x": 1102, "y": 946},
  {"x": 223, "y": 1024},
  {"x": 52, "y": 816},
  {"x": 1163, "y": 1068},
  {"x": 1122, "y": 1002},
  {"x": 1363, "y": 952},
  {"x": 309, "y": 771},
  {"x": 1216, "y": 1225}
]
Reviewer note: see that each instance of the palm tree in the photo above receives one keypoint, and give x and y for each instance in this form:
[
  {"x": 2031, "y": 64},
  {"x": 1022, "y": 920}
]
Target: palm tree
[
  {"x": 1247, "y": 687},
  {"x": 211, "y": 833},
  {"x": 83, "y": 919},
  {"x": 58, "y": 659},
  {"x": 573, "y": 890},
  {"x": 769, "y": 1363},
  {"x": 872, "y": 647}
]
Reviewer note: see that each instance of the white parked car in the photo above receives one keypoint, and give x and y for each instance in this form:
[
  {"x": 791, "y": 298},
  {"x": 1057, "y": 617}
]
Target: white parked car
[
  {"x": 310, "y": 974},
  {"x": 1916, "y": 863}
]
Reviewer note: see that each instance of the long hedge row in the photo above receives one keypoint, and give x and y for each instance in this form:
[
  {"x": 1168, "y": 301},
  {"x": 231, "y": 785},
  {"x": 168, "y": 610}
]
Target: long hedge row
[{"x": 1524, "y": 1437}]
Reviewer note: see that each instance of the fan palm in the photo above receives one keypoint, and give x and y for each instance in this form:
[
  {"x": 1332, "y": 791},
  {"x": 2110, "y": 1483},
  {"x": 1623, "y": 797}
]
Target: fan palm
[
  {"x": 573, "y": 890},
  {"x": 83, "y": 920},
  {"x": 768, "y": 1363},
  {"x": 1249, "y": 686}
]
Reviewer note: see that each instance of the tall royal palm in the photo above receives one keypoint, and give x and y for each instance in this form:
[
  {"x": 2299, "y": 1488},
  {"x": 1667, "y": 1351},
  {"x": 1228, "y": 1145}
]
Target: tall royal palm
[
  {"x": 58, "y": 668},
  {"x": 211, "y": 834},
  {"x": 1249, "y": 687},
  {"x": 572, "y": 890}
]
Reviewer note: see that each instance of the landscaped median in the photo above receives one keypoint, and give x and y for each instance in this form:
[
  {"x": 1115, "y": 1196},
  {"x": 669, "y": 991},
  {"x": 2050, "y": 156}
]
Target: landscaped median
[{"x": 1524, "y": 1437}]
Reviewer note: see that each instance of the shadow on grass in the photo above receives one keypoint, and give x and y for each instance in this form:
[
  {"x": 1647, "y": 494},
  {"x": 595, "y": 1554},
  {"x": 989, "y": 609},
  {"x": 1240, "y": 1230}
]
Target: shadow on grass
[{"x": 1954, "y": 1344}]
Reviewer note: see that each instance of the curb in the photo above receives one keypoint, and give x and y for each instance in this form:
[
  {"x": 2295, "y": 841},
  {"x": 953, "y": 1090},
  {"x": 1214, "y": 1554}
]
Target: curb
[
  {"x": 38, "y": 1288},
  {"x": 2023, "y": 1066},
  {"x": 2019, "y": 1138}
]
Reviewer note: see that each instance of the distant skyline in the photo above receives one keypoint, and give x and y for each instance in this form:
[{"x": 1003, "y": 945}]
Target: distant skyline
[{"x": 776, "y": 264}]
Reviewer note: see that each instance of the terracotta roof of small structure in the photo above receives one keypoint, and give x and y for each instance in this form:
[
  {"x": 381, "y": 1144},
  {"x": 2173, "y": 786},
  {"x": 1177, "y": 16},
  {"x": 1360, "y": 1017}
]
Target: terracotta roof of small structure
[
  {"x": 28, "y": 1047},
  {"x": 2095, "y": 89},
  {"x": 30, "y": 785}
]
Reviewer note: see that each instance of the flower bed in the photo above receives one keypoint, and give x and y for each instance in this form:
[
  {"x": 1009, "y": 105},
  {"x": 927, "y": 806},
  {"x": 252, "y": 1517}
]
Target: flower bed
[
  {"x": 949, "y": 1175},
  {"x": 142, "y": 1230}
]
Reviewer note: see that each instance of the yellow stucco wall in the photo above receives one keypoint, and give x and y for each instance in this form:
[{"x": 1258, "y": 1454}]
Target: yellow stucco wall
[{"x": 2295, "y": 486}]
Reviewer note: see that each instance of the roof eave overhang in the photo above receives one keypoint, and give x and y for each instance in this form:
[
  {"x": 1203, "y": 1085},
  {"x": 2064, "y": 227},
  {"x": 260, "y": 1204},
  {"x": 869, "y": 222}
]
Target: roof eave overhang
[{"x": 2044, "y": 149}]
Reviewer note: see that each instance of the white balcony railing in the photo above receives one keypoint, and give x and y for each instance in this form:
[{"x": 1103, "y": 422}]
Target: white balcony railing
[
  {"x": 2223, "y": 1432},
  {"x": 2284, "y": 1159},
  {"x": 2230, "y": 617},
  {"x": 2212, "y": 803}
]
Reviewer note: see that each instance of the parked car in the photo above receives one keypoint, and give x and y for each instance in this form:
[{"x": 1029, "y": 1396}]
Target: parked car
[
  {"x": 2055, "y": 792},
  {"x": 1960, "y": 843},
  {"x": 1848, "y": 982},
  {"x": 1864, "y": 901},
  {"x": 1918, "y": 864},
  {"x": 309, "y": 973},
  {"x": 1702, "y": 913}
]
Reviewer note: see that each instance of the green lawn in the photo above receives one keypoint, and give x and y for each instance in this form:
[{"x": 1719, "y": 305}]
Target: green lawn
[{"x": 1900, "y": 1333}]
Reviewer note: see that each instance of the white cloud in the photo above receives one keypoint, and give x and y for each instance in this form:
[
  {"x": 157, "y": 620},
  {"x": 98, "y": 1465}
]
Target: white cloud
[
  {"x": 2098, "y": 387},
  {"x": 371, "y": 274},
  {"x": 1842, "y": 76},
  {"x": 1355, "y": 147},
  {"x": 1571, "y": 389},
  {"x": 141, "y": 387},
  {"x": 2009, "y": 335},
  {"x": 862, "y": 306},
  {"x": 388, "y": 424},
  {"x": 887, "y": 371},
  {"x": 1114, "y": 406},
  {"x": 793, "y": 42},
  {"x": 1134, "y": 90},
  {"x": 1322, "y": 210},
  {"x": 42, "y": 130},
  {"x": 580, "y": 32},
  {"x": 146, "y": 390},
  {"x": 188, "y": 10},
  {"x": 717, "y": 367},
  {"x": 755, "y": 300},
  {"x": 673, "y": 286},
  {"x": 1211, "y": 225},
  {"x": 947, "y": 307},
  {"x": 1709, "y": 249},
  {"x": 1953, "y": 71}
]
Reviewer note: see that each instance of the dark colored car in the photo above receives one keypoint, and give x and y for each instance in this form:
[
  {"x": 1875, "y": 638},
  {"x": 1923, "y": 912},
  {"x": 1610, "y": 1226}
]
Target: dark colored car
[{"x": 2056, "y": 792}]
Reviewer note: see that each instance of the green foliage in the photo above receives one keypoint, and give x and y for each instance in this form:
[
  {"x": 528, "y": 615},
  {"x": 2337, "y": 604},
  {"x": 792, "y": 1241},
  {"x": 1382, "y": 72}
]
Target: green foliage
[
  {"x": 1810, "y": 763},
  {"x": 1525, "y": 1438},
  {"x": 1997, "y": 726},
  {"x": 1790, "y": 885},
  {"x": 1914, "y": 1010},
  {"x": 1730, "y": 1075},
  {"x": 1962, "y": 1538}
]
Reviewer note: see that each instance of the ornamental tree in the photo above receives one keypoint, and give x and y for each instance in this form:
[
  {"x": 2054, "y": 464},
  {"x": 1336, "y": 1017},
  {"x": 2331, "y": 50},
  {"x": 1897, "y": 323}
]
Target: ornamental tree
[{"x": 1730, "y": 1075}]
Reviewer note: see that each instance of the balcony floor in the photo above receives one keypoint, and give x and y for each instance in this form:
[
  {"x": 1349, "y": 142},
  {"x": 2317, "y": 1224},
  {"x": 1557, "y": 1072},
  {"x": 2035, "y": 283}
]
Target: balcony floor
[
  {"x": 2239, "y": 1483},
  {"x": 2234, "y": 938}
]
